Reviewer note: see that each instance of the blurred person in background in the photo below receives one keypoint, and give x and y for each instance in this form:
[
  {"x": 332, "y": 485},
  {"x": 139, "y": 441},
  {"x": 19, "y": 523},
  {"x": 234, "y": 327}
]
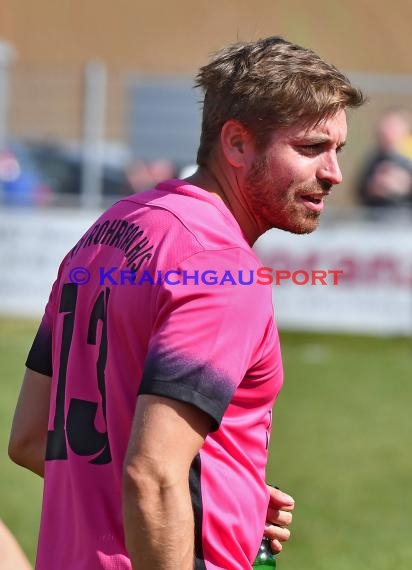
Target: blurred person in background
[
  {"x": 386, "y": 178},
  {"x": 11, "y": 555},
  {"x": 148, "y": 406},
  {"x": 143, "y": 175},
  {"x": 21, "y": 183}
]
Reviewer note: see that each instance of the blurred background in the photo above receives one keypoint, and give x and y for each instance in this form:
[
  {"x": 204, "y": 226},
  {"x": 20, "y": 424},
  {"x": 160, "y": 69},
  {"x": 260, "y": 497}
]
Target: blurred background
[{"x": 96, "y": 102}]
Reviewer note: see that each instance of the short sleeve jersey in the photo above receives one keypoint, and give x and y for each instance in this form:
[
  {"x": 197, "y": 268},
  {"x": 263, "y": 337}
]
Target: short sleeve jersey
[{"x": 160, "y": 296}]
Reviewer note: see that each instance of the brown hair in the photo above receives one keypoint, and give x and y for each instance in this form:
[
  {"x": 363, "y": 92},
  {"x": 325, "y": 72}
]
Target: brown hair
[{"x": 267, "y": 84}]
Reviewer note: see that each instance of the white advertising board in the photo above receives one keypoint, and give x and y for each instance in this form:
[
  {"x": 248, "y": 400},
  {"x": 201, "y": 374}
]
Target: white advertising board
[
  {"x": 32, "y": 245},
  {"x": 373, "y": 293}
]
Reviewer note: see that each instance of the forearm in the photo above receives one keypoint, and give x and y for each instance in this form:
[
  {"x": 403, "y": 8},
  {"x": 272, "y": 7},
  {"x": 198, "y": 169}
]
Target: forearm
[
  {"x": 158, "y": 514},
  {"x": 159, "y": 525}
]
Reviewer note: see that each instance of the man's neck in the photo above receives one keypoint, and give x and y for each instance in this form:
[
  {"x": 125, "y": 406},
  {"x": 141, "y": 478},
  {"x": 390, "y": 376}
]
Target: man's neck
[{"x": 229, "y": 192}]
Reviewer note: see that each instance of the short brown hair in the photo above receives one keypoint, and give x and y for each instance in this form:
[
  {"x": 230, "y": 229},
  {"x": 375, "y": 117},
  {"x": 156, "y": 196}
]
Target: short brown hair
[{"x": 267, "y": 84}]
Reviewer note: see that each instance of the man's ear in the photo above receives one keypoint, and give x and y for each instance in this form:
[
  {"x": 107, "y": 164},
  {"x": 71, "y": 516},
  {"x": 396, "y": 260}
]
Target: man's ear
[{"x": 237, "y": 144}]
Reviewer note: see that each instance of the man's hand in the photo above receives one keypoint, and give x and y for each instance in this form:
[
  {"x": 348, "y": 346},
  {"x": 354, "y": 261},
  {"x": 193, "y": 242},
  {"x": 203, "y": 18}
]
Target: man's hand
[{"x": 278, "y": 518}]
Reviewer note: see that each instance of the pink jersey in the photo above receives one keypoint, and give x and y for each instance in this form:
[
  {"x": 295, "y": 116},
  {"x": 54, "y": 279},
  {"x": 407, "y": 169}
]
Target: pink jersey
[{"x": 169, "y": 306}]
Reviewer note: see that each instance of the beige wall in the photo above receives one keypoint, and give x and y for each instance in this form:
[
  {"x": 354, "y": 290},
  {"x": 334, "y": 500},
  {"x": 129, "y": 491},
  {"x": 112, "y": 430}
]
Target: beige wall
[
  {"x": 176, "y": 35},
  {"x": 54, "y": 38}
]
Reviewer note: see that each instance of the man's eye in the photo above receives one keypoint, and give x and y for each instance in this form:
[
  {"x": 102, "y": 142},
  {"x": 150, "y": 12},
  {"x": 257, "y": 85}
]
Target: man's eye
[{"x": 312, "y": 148}]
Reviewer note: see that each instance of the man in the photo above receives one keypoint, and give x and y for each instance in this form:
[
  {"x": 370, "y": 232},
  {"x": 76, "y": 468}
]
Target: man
[
  {"x": 164, "y": 366},
  {"x": 386, "y": 178}
]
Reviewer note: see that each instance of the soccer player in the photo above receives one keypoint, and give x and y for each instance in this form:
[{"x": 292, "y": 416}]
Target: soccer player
[{"x": 149, "y": 388}]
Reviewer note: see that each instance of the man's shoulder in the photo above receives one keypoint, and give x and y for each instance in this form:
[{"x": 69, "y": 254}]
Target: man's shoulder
[{"x": 177, "y": 206}]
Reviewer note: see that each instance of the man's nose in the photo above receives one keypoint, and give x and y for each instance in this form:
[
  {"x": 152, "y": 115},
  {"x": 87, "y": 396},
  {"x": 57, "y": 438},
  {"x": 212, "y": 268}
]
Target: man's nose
[{"x": 329, "y": 169}]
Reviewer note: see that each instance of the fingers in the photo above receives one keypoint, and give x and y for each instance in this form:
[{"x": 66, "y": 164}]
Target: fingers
[
  {"x": 277, "y": 535},
  {"x": 280, "y": 499},
  {"x": 276, "y": 546},
  {"x": 279, "y": 516}
]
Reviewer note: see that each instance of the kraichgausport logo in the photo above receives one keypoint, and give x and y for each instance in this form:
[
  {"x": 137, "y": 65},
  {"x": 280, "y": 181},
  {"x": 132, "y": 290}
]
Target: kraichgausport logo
[{"x": 116, "y": 276}]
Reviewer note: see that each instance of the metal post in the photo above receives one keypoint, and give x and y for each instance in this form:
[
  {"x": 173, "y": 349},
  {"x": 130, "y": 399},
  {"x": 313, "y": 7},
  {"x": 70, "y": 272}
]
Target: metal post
[
  {"x": 7, "y": 54},
  {"x": 93, "y": 133}
]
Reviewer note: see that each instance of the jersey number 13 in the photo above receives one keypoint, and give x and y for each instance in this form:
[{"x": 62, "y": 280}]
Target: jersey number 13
[{"x": 79, "y": 425}]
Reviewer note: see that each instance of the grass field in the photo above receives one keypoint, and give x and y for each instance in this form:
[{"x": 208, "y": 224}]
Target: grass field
[{"x": 340, "y": 445}]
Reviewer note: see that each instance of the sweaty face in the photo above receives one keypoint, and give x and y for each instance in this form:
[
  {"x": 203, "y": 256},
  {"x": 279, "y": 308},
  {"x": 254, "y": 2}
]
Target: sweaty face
[{"x": 287, "y": 183}]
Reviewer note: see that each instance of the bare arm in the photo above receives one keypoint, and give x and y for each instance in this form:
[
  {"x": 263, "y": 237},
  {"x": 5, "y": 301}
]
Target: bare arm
[
  {"x": 27, "y": 445},
  {"x": 11, "y": 555},
  {"x": 158, "y": 515}
]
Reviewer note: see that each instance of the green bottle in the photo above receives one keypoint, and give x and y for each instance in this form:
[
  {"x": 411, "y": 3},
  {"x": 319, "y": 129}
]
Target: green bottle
[{"x": 265, "y": 559}]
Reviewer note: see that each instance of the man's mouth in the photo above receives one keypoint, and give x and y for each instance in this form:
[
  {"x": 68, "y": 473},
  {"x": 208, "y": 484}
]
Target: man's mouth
[{"x": 313, "y": 202}]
